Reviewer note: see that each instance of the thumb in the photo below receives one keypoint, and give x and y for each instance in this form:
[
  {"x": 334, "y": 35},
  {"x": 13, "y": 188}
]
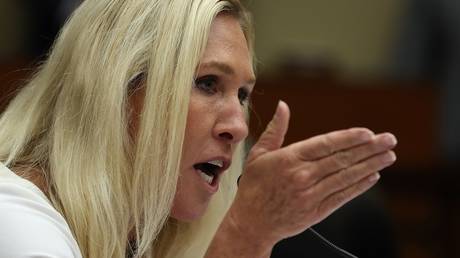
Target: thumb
[{"x": 273, "y": 136}]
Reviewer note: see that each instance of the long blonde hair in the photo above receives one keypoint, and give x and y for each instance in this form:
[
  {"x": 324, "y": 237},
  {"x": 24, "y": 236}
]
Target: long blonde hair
[{"x": 71, "y": 121}]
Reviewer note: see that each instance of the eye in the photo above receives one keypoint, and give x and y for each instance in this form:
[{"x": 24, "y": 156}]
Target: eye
[
  {"x": 243, "y": 95},
  {"x": 207, "y": 84}
]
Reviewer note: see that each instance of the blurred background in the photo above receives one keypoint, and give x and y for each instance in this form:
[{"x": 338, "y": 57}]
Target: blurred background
[{"x": 389, "y": 65}]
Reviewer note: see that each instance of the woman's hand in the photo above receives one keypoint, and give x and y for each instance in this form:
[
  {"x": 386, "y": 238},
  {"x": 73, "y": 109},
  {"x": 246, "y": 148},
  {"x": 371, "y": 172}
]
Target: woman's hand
[{"x": 284, "y": 191}]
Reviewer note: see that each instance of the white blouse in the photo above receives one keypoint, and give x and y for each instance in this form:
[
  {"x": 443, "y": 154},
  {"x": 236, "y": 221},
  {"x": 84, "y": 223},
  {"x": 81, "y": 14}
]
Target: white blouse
[{"x": 30, "y": 227}]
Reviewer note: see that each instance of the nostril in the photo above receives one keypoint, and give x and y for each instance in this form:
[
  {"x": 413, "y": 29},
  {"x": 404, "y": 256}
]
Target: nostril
[{"x": 227, "y": 136}]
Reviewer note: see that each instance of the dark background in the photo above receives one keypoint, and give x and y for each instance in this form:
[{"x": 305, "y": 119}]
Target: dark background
[{"x": 386, "y": 65}]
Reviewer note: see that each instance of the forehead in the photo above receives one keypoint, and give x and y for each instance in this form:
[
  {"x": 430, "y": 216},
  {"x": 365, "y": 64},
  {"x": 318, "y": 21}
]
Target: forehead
[{"x": 227, "y": 44}]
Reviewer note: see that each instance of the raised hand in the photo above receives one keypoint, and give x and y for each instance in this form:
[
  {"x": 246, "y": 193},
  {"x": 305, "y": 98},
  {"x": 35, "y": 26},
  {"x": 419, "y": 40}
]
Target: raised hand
[{"x": 284, "y": 191}]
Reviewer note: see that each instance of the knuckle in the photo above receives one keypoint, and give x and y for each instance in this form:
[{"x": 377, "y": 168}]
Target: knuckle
[
  {"x": 374, "y": 147},
  {"x": 339, "y": 198},
  {"x": 298, "y": 156},
  {"x": 302, "y": 177},
  {"x": 327, "y": 144},
  {"x": 343, "y": 178},
  {"x": 372, "y": 164},
  {"x": 359, "y": 131},
  {"x": 297, "y": 177},
  {"x": 289, "y": 158},
  {"x": 311, "y": 194},
  {"x": 292, "y": 156},
  {"x": 343, "y": 158},
  {"x": 362, "y": 187},
  {"x": 388, "y": 157}
]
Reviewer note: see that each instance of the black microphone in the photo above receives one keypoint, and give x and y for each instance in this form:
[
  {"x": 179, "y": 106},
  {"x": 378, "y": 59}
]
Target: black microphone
[{"x": 333, "y": 247}]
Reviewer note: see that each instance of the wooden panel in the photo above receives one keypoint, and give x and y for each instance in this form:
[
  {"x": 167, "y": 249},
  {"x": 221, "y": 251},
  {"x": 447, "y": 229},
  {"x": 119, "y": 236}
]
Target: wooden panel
[{"x": 319, "y": 106}]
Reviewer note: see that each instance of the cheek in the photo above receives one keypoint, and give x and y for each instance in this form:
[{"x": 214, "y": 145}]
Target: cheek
[
  {"x": 190, "y": 202},
  {"x": 191, "y": 128},
  {"x": 199, "y": 119},
  {"x": 197, "y": 135},
  {"x": 192, "y": 119}
]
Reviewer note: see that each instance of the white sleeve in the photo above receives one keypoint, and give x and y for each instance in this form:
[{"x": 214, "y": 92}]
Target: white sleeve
[{"x": 29, "y": 225}]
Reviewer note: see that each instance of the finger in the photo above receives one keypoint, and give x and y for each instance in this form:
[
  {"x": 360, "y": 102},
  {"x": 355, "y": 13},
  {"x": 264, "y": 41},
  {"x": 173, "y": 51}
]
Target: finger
[
  {"x": 338, "y": 199},
  {"x": 324, "y": 145},
  {"x": 273, "y": 136},
  {"x": 347, "y": 177},
  {"x": 346, "y": 158}
]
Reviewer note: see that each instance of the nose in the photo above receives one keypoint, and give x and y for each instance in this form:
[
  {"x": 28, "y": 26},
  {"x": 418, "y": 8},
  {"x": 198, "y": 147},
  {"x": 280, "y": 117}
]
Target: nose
[{"x": 231, "y": 125}]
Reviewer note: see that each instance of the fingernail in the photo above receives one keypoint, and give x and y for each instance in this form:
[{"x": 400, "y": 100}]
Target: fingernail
[
  {"x": 366, "y": 136},
  {"x": 374, "y": 177},
  {"x": 389, "y": 157},
  {"x": 280, "y": 102},
  {"x": 278, "y": 107},
  {"x": 389, "y": 140},
  {"x": 361, "y": 134}
]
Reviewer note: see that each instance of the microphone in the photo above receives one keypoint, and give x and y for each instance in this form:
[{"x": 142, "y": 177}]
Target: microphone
[{"x": 331, "y": 246}]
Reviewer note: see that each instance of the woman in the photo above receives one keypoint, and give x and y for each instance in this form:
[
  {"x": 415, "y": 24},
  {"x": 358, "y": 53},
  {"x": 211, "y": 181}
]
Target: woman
[{"x": 129, "y": 129}]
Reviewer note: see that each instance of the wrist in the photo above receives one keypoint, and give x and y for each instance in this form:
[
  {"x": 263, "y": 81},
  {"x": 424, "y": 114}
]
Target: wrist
[
  {"x": 247, "y": 232},
  {"x": 234, "y": 239}
]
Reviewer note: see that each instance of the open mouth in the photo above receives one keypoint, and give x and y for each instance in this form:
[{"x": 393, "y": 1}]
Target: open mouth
[{"x": 209, "y": 171}]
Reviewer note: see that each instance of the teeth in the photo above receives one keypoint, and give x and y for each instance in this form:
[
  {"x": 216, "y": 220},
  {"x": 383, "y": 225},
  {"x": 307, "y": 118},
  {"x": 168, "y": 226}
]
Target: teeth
[
  {"x": 206, "y": 177},
  {"x": 218, "y": 163}
]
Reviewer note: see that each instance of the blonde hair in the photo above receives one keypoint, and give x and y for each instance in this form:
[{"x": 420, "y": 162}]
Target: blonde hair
[{"x": 71, "y": 121}]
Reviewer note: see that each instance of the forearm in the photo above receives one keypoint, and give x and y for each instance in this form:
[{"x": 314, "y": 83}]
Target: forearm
[{"x": 234, "y": 242}]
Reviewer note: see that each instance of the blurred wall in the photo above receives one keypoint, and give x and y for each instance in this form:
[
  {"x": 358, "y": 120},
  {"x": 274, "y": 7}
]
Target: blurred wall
[
  {"x": 354, "y": 35},
  {"x": 13, "y": 29}
]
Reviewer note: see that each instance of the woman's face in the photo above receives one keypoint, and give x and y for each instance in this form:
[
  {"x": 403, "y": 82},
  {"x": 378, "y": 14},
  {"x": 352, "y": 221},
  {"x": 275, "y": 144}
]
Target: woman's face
[{"x": 216, "y": 121}]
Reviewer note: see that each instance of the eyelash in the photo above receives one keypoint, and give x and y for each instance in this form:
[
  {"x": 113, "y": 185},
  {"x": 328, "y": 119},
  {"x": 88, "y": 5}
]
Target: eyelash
[
  {"x": 202, "y": 83},
  {"x": 243, "y": 96},
  {"x": 208, "y": 84}
]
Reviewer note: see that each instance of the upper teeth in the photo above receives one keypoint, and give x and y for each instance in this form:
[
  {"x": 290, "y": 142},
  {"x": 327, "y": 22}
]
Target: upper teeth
[{"x": 218, "y": 163}]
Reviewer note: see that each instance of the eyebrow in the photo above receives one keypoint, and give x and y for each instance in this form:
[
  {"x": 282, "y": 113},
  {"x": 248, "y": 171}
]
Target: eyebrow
[{"x": 225, "y": 68}]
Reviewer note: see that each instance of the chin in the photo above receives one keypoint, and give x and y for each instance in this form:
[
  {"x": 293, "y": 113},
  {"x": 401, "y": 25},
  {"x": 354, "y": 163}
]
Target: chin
[{"x": 188, "y": 215}]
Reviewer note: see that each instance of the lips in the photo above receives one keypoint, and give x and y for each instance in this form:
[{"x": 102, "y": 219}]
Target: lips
[{"x": 211, "y": 169}]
